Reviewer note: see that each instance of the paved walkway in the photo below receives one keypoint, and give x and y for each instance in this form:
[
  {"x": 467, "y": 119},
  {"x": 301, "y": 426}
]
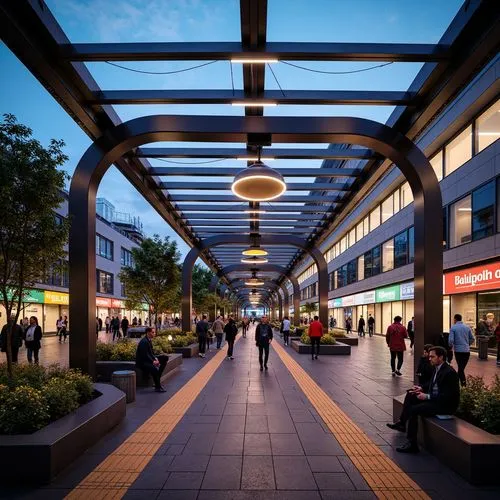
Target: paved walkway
[{"x": 256, "y": 435}]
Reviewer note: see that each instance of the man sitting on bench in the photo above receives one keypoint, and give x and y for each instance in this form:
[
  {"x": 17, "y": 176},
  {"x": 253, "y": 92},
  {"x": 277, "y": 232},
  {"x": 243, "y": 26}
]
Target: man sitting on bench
[
  {"x": 146, "y": 360},
  {"x": 441, "y": 395}
]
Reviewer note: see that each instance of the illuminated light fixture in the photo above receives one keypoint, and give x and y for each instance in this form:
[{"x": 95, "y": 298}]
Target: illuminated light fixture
[
  {"x": 258, "y": 182},
  {"x": 465, "y": 209},
  {"x": 256, "y": 60},
  {"x": 254, "y": 251},
  {"x": 254, "y": 281},
  {"x": 255, "y": 259},
  {"x": 254, "y": 104},
  {"x": 255, "y": 211}
]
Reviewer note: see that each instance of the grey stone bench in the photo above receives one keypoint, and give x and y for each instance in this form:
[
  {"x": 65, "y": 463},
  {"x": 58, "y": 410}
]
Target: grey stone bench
[{"x": 468, "y": 450}]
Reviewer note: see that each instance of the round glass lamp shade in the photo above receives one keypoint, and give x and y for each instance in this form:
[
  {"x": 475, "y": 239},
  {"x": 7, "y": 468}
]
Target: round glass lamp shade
[
  {"x": 258, "y": 182},
  {"x": 254, "y": 251},
  {"x": 254, "y": 260},
  {"x": 254, "y": 282}
]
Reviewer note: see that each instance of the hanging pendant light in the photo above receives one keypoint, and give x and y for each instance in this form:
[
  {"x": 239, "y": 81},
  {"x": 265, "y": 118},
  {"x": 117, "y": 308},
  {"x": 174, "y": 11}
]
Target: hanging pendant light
[
  {"x": 254, "y": 260},
  {"x": 254, "y": 281},
  {"x": 254, "y": 249},
  {"x": 258, "y": 182}
]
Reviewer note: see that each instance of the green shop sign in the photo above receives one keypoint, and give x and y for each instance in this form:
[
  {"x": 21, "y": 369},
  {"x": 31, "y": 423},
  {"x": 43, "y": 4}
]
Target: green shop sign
[
  {"x": 388, "y": 294},
  {"x": 31, "y": 296}
]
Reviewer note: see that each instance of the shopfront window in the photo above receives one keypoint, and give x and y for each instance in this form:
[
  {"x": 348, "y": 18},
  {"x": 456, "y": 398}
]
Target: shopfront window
[
  {"x": 488, "y": 127},
  {"x": 458, "y": 151},
  {"x": 483, "y": 211},
  {"x": 437, "y": 164},
  {"x": 361, "y": 268},
  {"x": 387, "y": 208},
  {"x": 460, "y": 222},
  {"x": 388, "y": 256},
  {"x": 489, "y": 303},
  {"x": 376, "y": 264},
  {"x": 375, "y": 218},
  {"x": 465, "y": 304},
  {"x": 401, "y": 249}
]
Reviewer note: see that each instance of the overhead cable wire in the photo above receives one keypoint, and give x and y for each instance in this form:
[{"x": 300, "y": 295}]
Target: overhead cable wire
[
  {"x": 337, "y": 72},
  {"x": 276, "y": 78},
  {"x": 232, "y": 77},
  {"x": 161, "y": 72}
]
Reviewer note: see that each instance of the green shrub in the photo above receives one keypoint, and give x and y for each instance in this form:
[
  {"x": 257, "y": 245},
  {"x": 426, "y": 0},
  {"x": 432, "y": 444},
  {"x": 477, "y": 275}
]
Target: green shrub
[
  {"x": 326, "y": 339},
  {"x": 104, "y": 351},
  {"x": 183, "y": 340},
  {"x": 171, "y": 331},
  {"x": 23, "y": 410},
  {"x": 161, "y": 346},
  {"x": 337, "y": 332},
  {"x": 469, "y": 398},
  {"x": 82, "y": 384},
  {"x": 123, "y": 350},
  {"x": 61, "y": 397}
]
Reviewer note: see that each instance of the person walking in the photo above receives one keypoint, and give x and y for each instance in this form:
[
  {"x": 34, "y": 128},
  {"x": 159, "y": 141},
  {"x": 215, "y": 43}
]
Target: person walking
[
  {"x": 263, "y": 337},
  {"x": 244, "y": 327},
  {"x": 231, "y": 330},
  {"x": 124, "y": 325},
  {"x": 361, "y": 326},
  {"x": 107, "y": 323},
  {"x": 285, "y": 330},
  {"x": 440, "y": 396},
  {"x": 395, "y": 338},
  {"x": 411, "y": 331},
  {"x": 16, "y": 338},
  {"x": 61, "y": 325},
  {"x": 331, "y": 324},
  {"x": 348, "y": 325},
  {"x": 460, "y": 340},
  {"x": 32, "y": 339},
  {"x": 218, "y": 329},
  {"x": 371, "y": 325},
  {"x": 97, "y": 326},
  {"x": 146, "y": 360},
  {"x": 202, "y": 332},
  {"x": 315, "y": 334}
]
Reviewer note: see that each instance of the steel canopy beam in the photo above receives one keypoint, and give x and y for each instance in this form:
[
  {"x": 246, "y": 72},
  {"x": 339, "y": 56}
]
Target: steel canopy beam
[
  {"x": 296, "y": 97},
  {"x": 263, "y": 217},
  {"x": 232, "y": 171},
  {"x": 226, "y": 186},
  {"x": 330, "y": 153},
  {"x": 219, "y": 207},
  {"x": 289, "y": 51},
  {"x": 221, "y": 198}
]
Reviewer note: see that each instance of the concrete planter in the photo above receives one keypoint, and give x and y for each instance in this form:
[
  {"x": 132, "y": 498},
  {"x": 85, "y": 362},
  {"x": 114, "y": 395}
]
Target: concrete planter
[
  {"x": 189, "y": 351},
  {"x": 338, "y": 348},
  {"x": 54, "y": 447},
  {"x": 106, "y": 368},
  {"x": 468, "y": 450},
  {"x": 347, "y": 340}
]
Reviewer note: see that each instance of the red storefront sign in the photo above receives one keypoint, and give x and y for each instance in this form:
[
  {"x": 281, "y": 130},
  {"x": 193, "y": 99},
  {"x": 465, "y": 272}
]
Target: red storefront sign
[
  {"x": 473, "y": 279},
  {"x": 117, "y": 304},
  {"x": 102, "y": 302}
]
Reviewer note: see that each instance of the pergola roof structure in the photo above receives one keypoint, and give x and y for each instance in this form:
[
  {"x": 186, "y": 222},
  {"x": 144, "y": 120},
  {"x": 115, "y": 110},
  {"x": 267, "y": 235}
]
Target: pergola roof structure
[{"x": 201, "y": 204}]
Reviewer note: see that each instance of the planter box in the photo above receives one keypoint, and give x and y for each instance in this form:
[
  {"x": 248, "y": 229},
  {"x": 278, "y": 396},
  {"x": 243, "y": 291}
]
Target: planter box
[
  {"x": 189, "y": 351},
  {"x": 106, "y": 368},
  {"x": 338, "y": 348},
  {"x": 347, "y": 340},
  {"x": 54, "y": 447},
  {"x": 465, "y": 448}
]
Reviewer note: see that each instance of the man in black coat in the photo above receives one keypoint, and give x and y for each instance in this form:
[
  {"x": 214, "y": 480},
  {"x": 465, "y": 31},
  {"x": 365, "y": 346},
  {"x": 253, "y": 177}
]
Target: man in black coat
[
  {"x": 441, "y": 395},
  {"x": 16, "y": 339},
  {"x": 146, "y": 360},
  {"x": 263, "y": 337},
  {"x": 124, "y": 325},
  {"x": 202, "y": 333}
]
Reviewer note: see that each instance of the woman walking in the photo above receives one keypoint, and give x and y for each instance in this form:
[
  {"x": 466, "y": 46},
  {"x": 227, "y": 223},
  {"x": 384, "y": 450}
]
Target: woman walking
[
  {"x": 231, "y": 330},
  {"x": 218, "y": 329},
  {"x": 61, "y": 325},
  {"x": 32, "y": 338}
]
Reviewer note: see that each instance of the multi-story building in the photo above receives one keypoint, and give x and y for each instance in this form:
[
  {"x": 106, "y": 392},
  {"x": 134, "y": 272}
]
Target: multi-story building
[
  {"x": 370, "y": 252},
  {"x": 116, "y": 235}
]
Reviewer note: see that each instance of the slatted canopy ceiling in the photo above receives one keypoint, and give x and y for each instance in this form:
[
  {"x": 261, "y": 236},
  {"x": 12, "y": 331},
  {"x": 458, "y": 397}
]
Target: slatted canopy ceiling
[{"x": 189, "y": 184}]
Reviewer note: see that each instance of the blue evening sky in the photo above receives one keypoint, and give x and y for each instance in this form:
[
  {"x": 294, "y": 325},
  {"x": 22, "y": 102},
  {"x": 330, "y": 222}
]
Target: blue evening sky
[{"x": 217, "y": 20}]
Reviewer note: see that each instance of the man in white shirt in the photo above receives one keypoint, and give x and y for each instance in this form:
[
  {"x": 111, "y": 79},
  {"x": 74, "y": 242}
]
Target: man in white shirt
[{"x": 285, "y": 329}]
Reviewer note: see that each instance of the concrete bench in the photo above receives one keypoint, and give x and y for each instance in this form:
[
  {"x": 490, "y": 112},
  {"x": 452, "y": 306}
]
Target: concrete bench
[{"x": 468, "y": 450}]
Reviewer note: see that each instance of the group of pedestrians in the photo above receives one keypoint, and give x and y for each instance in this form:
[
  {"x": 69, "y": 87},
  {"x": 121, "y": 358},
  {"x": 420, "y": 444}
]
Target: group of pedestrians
[
  {"x": 28, "y": 331},
  {"x": 113, "y": 326},
  {"x": 219, "y": 328}
]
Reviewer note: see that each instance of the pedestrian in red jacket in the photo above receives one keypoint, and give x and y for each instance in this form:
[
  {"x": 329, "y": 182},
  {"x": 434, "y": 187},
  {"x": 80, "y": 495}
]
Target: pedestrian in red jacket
[
  {"x": 395, "y": 338},
  {"x": 315, "y": 334}
]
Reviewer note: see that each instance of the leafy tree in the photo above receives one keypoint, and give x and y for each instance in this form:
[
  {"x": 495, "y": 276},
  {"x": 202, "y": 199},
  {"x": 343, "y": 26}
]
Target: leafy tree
[
  {"x": 309, "y": 308},
  {"x": 202, "y": 277},
  {"x": 32, "y": 239},
  {"x": 155, "y": 276}
]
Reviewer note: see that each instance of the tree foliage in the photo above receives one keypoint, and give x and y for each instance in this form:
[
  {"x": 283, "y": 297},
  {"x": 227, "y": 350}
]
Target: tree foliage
[
  {"x": 202, "y": 277},
  {"x": 31, "y": 238},
  {"x": 155, "y": 276},
  {"x": 310, "y": 308}
]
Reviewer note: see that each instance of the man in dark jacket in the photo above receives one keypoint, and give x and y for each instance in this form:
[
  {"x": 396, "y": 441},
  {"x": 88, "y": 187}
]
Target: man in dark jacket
[
  {"x": 124, "y": 326},
  {"x": 146, "y": 360},
  {"x": 17, "y": 337},
  {"x": 263, "y": 337},
  {"x": 202, "y": 333},
  {"x": 361, "y": 327},
  {"x": 371, "y": 325},
  {"x": 440, "y": 396},
  {"x": 231, "y": 330},
  {"x": 32, "y": 339}
]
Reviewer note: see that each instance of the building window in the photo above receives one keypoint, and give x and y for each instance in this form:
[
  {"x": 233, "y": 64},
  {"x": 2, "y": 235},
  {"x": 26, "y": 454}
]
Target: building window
[
  {"x": 104, "y": 247},
  {"x": 104, "y": 282},
  {"x": 458, "y": 151},
  {"x": 401, "y": 249},
  {"x": 359, "y": 231},
  {"x": 375, "y": 218},
  {"x": 335, "y": 277},
  {"x": 445, "y": 227},
  {"x": 123, "y": 290},
  {"x": 488, "y": 127},
  {"x": 330, "y": 282},
  {"x": 406, "y": 195},
  {"x": 367, "y": 257},
  {"x": 58, "y": 274},
  {"x": 388, "y": 256},
  {"x": 351, "y": 271},
  {"x": 460, "y": 222},
  {"x": 483, "y": 211},
  {"x": 387, "y": 208},
  {"x": 411, "y": 244},
  {"x": 361, "y": 268},
  {"x": 395, "y": 197},
  {"x": 437, "y": 164},
  {"x": 342, "y": 276},
  {"x": 366, "y": 225},
  {"x": 352, "y": 237},
  {"x": 376, "y": 261},
  {"x": 126, "y": 257},
  {"x": 343, "y": 244}
]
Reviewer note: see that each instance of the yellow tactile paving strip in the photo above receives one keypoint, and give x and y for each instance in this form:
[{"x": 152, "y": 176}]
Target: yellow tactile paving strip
[
  {"x": 383, "y": 476},
  {"x": 116, "y": 473}
]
